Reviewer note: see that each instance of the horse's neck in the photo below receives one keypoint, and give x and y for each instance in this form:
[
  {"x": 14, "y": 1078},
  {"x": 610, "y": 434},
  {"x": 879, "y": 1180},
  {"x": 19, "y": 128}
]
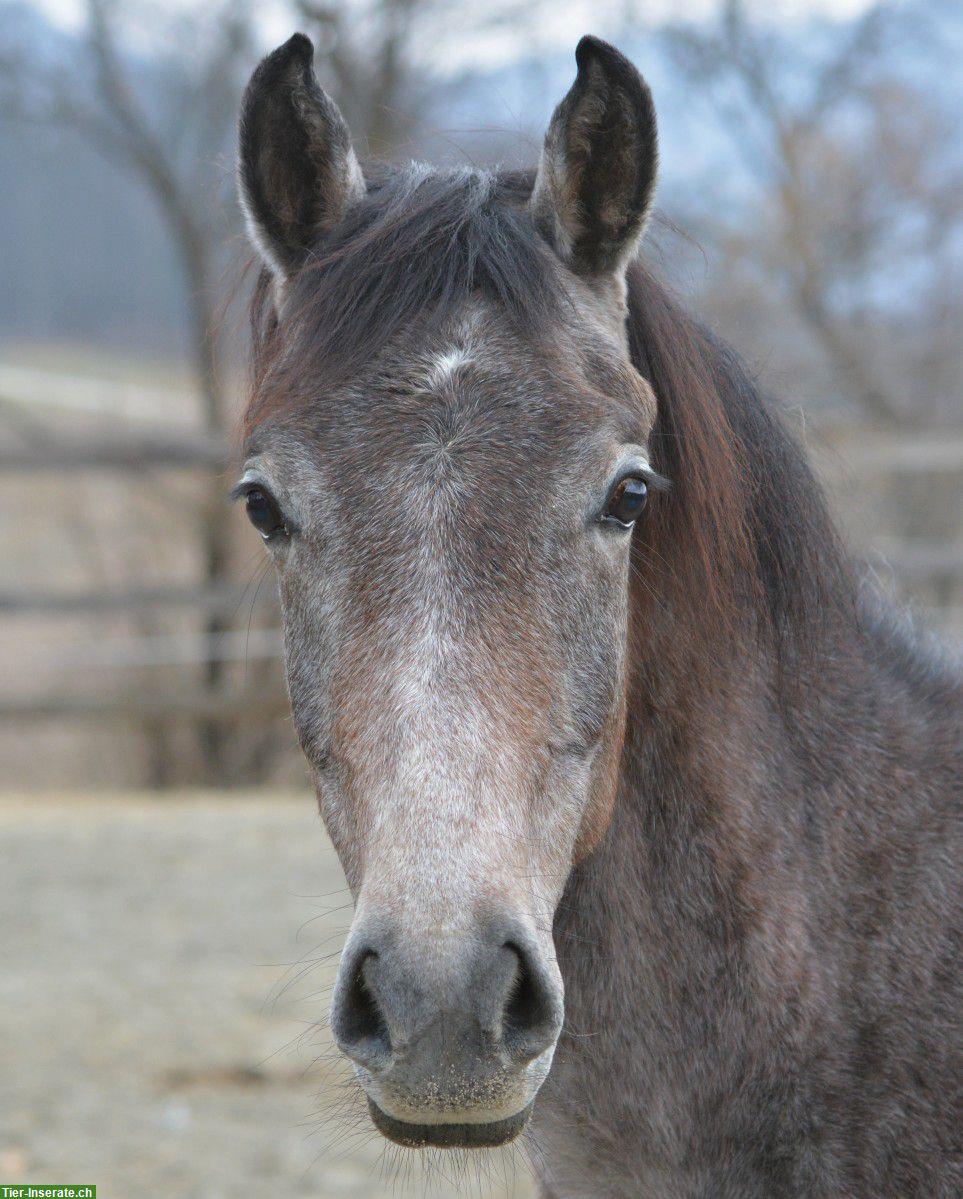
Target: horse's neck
[
  {"x": 681, "y": 941},
  {"x": 703, "y": 850},
  {"x": 744, "y": 784}
]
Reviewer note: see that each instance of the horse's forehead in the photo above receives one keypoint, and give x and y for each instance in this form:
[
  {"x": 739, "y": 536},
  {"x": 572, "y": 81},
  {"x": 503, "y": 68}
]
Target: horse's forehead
[
  {"x": 468, "y": 410},
  {"x": 464, "y": 421}
]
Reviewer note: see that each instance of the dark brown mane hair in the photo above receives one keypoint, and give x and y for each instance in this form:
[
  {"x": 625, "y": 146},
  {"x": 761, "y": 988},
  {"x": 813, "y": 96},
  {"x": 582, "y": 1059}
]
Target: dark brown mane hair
[
  {"x": 746, "y": 525},
  {"x": 742, "y": 542}
]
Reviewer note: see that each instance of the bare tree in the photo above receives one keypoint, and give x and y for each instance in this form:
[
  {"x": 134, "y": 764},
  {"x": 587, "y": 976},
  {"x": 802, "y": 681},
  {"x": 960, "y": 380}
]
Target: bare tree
[
  {"x": 843, "y": 154},
  {"x": 385, "y": 60},
  {"x": 365, "y": 57},
  {"x": 168, "y": 120}
]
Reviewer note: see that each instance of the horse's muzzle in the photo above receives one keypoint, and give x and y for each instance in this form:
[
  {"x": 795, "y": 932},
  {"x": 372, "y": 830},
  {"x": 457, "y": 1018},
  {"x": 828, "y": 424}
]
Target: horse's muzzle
[{"x": 451, "y": 1037}]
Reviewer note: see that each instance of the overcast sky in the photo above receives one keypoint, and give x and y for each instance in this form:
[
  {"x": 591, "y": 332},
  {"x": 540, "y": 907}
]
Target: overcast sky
[{"x": 559, "y": 24}]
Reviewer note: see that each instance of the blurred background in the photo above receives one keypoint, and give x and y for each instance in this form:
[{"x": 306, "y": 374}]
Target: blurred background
[{"x": 159, "y": 850}]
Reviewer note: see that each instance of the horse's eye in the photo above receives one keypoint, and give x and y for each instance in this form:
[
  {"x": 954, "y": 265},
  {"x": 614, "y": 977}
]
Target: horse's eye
[
  {"x": 264, "y": 514},
  {"x": 627, "y": 500}
]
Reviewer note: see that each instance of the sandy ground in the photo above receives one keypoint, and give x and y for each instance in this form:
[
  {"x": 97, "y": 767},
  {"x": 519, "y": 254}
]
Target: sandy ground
[{"x": 164, "y": 964}]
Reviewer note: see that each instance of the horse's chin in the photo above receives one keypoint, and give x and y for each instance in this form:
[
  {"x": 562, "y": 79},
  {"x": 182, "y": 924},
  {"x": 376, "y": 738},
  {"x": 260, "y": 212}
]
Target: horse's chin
[{"x": 449, "y": 1136}]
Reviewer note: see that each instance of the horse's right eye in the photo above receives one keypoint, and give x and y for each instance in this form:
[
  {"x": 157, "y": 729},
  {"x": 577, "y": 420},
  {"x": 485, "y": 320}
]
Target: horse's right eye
[{"x": 264, "y": 514}]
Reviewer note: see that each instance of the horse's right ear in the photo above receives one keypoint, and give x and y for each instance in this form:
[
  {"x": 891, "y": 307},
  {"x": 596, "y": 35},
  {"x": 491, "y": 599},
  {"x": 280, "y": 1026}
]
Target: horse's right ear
[{"x": 297, "y": 170}]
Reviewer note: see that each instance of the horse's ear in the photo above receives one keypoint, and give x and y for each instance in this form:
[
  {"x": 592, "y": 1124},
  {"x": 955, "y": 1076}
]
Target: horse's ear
[
  {"x": 597, "y": 172},
  {"x": 297, "y": 170}
]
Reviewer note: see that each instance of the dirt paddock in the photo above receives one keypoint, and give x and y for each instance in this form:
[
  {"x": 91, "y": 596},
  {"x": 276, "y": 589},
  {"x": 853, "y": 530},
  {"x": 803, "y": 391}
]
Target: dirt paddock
[{"x": 164, "y": 963}]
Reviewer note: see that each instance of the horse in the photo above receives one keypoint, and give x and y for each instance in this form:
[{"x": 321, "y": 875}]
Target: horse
[{"x": 646, "y": 801}]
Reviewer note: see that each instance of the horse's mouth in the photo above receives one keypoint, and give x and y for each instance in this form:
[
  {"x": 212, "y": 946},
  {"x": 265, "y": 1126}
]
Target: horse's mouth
[{"x": 449, "y": 1136}]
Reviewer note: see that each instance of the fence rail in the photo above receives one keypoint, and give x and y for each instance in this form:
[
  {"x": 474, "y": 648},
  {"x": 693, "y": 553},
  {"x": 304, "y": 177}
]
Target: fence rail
[
  {"x": 226, "y": 600},
  {"x": 131, "y": 452},
  {"x": 143, "y": 708}
]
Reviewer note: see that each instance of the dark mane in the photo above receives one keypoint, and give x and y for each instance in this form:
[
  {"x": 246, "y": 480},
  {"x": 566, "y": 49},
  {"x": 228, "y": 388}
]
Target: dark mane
[
  {"x": 747, "y": 522},
  {"x": 744, "y": 533}
]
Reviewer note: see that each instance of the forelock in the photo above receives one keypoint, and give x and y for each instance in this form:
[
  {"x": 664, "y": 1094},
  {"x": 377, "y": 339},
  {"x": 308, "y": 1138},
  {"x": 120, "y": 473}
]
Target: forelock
[{"x": 411, "y": 253}]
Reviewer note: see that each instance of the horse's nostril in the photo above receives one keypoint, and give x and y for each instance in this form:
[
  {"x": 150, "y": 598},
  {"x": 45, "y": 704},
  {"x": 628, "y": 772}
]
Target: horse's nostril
[
  {"x": 531, "y": 1017},
  {"x": 357, "y": 1022}
]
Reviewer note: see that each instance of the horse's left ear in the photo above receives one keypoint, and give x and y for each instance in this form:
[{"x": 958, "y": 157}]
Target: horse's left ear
[
  {"x": 597, "y": 171},
  {"x": 297, "y": 170}
]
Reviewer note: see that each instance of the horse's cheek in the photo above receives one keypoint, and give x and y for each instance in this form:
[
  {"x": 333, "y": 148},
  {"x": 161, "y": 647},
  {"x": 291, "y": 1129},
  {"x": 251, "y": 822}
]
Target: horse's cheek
[{"x": 601, "y": 800}]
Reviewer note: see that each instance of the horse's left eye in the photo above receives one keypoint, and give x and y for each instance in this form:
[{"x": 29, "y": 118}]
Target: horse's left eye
[
  {"x": 624, "y": 505},
  {"x": 264, "y": 514}
]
